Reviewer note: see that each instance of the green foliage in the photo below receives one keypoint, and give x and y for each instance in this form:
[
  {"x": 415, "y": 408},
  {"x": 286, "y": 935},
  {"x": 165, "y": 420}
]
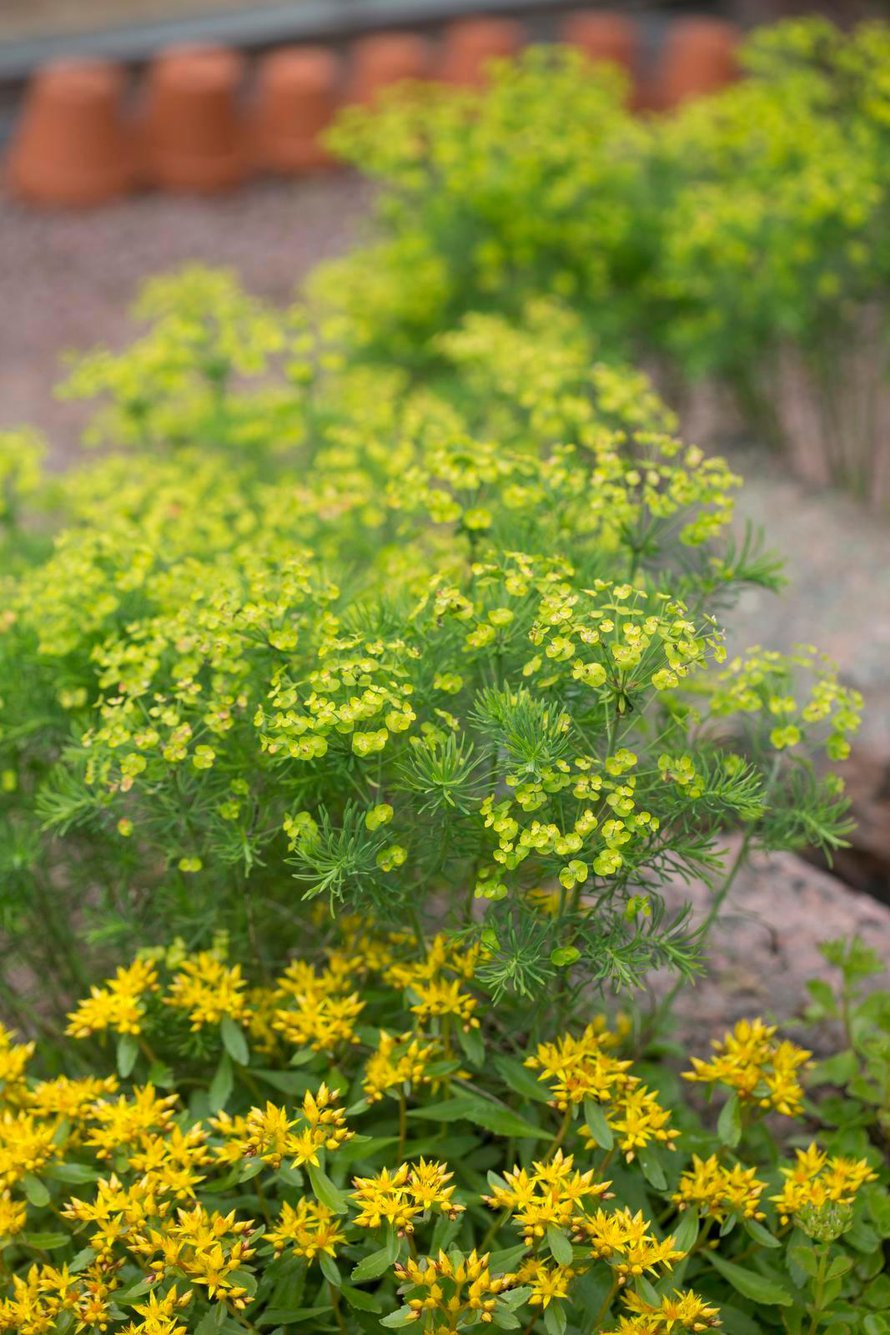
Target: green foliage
[
  {"x": 349, "y": 1146},
  {"x": 744, "y": 237},
  {"x": 442, "y": 650}
]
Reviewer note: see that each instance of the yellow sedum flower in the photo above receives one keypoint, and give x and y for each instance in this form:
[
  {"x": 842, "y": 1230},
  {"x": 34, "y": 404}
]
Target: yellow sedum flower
[
  {"x": 208, "y": 991},
  {"x": 306, "y": 1229},
  {"x": 399, "y": 1065},
  {"x": 817, "y": 1179},
  {"x": 760, "y": 1070},
  {"x": 719, "y": 1191},
  {"x": 449, "y": 1289},
  {"x": 118, "y": 1006},
  {"x": 399, "y": 1198}
]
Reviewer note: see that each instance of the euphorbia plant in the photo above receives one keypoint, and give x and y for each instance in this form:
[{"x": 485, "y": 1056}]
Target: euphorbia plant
[{"x": 448, "y": 654}]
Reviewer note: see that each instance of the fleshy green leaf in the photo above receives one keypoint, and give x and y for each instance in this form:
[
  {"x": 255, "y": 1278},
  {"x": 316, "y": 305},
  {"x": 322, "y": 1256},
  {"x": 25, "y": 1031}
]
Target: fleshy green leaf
[
  {"x": 767, "y": 1289},
  {"x": 234, "y": 1041},
  {"x": 651, "y": 1165},
  {"x": 560, "y": 1247},
  {"x": 729, "y": 1123},
  {"x": 520, "y": 1079},
  {"x": 597, "y": 1125},
  {"x": 686, "y": 1232},
  {"x": 221, "y": 1084},
  {"x": 35, "y": 1190},
  {"x": 503, "y": 1121},
  {"x": 325, "y": 1190},
  {"x": 127, "y": 1053}
]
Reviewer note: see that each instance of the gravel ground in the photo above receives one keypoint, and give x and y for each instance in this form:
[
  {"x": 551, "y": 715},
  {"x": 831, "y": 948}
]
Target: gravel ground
[
  {"x": 66, "y": 282},
  {"x": 67, "y": 279}
]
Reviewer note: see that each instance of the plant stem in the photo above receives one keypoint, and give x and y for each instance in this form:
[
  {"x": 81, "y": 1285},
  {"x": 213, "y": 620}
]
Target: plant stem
[
  {"x": 403, "y": 1124},
  {"x": 335, "y": 1303},
  {"x": 606, "y": 1304},
  {"x": 819, "y": 1290}
]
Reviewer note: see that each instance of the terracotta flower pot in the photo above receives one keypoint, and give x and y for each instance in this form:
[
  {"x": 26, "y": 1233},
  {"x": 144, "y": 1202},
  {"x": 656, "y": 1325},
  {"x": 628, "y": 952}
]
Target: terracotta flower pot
[
  {"x": 471, "y": 44},
  {"x": 192, "y": 133},
  {"x": 71, "y": 146},
  {"x": 603, "y": 35},
  {"x": 699, "y": 57},
  {"x": 296, "y": 98},
  {"x": 383, "y": 59}
]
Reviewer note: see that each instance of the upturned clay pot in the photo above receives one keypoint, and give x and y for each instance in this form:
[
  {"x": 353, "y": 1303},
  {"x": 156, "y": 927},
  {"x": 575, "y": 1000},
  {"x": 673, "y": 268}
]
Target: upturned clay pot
[
  {"x": 698, "y": 57},
  {"x": 71, "y": 146},
  {"x": 192, "y": 136},
  {"x": 603, "y": 35},
  {"x": 471, "y": 44},
  {"x": 296, "y": 98},
  {"x": 386, "y": 58}
]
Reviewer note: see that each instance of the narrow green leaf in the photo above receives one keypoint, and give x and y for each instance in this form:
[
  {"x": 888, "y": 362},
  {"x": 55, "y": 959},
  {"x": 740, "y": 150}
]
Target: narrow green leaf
[
  {"x": 729, "y": 1123},
  {"x": 505, "y": 1320},
  {"x": 35, "y": 1190},
  {"x": 686, "y": 1232},
  {"x": 767, "y": 1289},
  {"x": 839, "y": 1265},
  {"x": 473, "y": 1046},
  {"x": 288, "y": 1082},
  {"x": 74, "y": 1173},
  {"x": 805, "y": 1259},
  {"x": 755, "y": 1230},
  {"x": 555, "y": 1319},
  {"x": 330, "y": 1269},
  {"x": 48, "y": 1242},
  {"x": 290, "y": 1315},
  {"x": 135, "y": 1291},
  {"x": 652, "y": 1168},
  {"x": 560, "y": 1247},
  {"x": 127, "y": 1053},
  {"x": 503, "y": 1121},
  {"x": 234, "y": 1041},
  {"x": 372, "y": 1266},
  {"x": 520, "y": 1079},
  {"x": 221, "y": 1085},
  {"x": 361, "y": 1301},
  {"x": 597, "y": 1124},
  {"x": 325, "y": 1190},
  {"x": 402, "y": 1316}
]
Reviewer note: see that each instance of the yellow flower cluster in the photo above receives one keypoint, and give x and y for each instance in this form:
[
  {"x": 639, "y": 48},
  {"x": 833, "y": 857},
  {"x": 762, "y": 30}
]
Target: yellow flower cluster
[
  {"x": 583, "y": 1068},
  {"x": 684, "y": 1309},
  {"x": 399, "y": 1064},
  {"x": 119, "y": 1005},
  {"x": 397, "y": 1199},
  {"x": 551, "y": 1194},
  {"x": 760, "y": 1070},
  {"x": 817, "y": 1179},
  {"x": 208, "y": 991},
  {"x": 448, "y": 1289},
  {"x": 306, "y": 1229},
  {"x": 202, "y": 1206},
  {"x": 719, "y": 1191},
  {"x": 269, "y": 1133}
]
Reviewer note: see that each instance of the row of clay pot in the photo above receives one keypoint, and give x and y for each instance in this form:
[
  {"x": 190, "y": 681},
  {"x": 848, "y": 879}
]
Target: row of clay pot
[{"x": 76, "y": 143}]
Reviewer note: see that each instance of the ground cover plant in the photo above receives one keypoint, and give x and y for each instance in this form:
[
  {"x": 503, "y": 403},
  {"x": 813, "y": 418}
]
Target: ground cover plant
[
  {"x": 741, "y": 239},
  {"x": 374, "y": 1150}
]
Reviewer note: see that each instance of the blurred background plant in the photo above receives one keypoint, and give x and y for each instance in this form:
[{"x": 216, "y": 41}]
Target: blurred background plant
[{"x": 740, "y": 239}]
